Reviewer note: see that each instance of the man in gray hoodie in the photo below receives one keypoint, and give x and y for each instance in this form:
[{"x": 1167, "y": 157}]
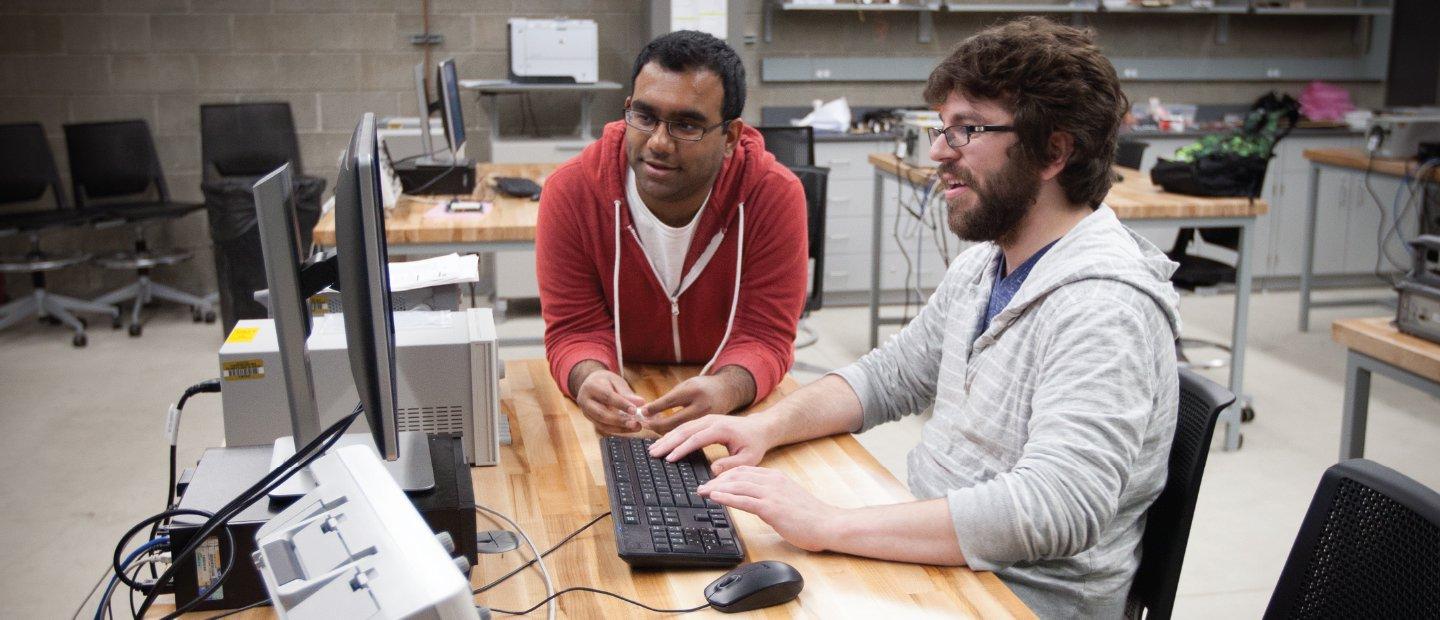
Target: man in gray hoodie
[{"x": 1046, "y": 352}]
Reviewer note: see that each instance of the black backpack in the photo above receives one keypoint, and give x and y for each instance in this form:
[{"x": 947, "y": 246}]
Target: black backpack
[{"x": 1232, "y": 164}]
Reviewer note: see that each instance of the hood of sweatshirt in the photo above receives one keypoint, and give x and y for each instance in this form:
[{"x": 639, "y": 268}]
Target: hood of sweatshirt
[
  {"x": 1099, "y": 247},
  {"x": 605, "y": 165}
]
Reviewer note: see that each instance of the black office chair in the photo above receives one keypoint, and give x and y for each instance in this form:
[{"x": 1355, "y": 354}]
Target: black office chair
[
  {"x": 1167, "y": 523},
  {"x": 791, "y": 146},
  {"x": 27, "y": 171},
  {"x": 1369, "y": 547},
  {"x": 1130, "y": 153},
  {"x": 815, "y": 181},
  {"x": 238, "y": 144},
  {"x": 116, "y": 174}
]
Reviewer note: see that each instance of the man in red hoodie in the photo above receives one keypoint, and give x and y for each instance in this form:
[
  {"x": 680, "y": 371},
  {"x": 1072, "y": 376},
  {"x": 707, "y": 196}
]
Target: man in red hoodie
[{"x": 673, "y": 239}]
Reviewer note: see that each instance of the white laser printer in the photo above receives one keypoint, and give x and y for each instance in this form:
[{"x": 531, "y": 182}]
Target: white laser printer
[{"x": 554, "y": 50}]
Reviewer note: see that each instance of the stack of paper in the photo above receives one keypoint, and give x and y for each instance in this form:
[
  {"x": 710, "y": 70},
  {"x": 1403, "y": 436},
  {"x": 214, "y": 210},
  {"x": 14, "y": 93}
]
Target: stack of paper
[{"x": 448, "y": 269}]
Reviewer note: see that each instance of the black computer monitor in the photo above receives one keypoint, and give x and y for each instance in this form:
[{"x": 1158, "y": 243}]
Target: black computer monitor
[
  {"x": 449, "y": 91},
  {"x": 365, "y": 285}
]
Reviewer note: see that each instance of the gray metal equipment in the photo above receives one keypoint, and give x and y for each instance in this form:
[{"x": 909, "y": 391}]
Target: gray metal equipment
[{"x": 1418, "y": 312}]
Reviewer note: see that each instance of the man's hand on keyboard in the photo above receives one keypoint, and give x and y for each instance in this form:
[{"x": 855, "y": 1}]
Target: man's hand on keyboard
[
  {"x": 745, "y": 437},
  {"x": 799, "y": 518},
  {"x": 607, "y": 400}
]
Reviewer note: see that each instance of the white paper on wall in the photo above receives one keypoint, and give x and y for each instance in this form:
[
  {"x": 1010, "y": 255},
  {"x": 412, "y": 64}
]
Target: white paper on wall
[{"x": 703, "y": 15}]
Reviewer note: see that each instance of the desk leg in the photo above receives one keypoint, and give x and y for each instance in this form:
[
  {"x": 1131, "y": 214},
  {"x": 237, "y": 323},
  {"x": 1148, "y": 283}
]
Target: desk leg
[
  {"x": 1307, "y": 266},
  {"x": 492, "y": 103},
  {"x": 586, "y": 98},
  {"x": 1239, "y": 329},
  {"x": 876, "y": 214},
  {"x": 1357, "y": 408}
]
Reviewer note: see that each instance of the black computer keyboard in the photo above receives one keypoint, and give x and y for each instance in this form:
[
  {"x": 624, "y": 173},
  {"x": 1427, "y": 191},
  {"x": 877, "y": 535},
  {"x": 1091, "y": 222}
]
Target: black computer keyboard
[{"x": 660, "y": 521}]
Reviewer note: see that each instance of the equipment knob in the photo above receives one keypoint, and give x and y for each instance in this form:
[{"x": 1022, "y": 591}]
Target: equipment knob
[
  {"x": 463, "y": 565},
  {"x": 446, "y": 540}
]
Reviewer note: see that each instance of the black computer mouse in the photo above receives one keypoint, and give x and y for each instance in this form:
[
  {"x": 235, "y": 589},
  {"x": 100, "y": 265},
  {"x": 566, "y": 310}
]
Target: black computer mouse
[{"x": 755, "y": 585}]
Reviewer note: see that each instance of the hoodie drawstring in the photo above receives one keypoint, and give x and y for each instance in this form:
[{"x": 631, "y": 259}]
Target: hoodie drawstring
[
  {"x": 734, "y": 296},
  {"x": 615, "y": 287}
]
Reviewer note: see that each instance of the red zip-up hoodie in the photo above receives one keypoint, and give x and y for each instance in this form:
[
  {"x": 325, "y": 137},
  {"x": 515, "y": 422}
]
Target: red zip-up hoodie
[{"x": 585, "y": 217}]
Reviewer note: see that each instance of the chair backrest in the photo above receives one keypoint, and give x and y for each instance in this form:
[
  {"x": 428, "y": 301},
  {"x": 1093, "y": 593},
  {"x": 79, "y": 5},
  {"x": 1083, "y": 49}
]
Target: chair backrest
[
  {"x": 1167, "y": 523},
  {"x": 1130, "y": 153},
  {"x": 1369, "y": 547},
  {"x": 815, "y": 180},
  {"x": 27, "y": 167},
  {"x": 112, "y": 159},
  {"x": 792, "y": 146},
  {"x": 247, "y": 139}
]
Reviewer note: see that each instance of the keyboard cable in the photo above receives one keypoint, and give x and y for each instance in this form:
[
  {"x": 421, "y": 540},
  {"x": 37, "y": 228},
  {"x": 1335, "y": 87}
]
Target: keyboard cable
[{"x": 566, "y": 539}]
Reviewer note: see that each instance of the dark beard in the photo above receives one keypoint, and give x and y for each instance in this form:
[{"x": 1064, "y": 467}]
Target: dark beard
[{"x": 1001, "y": 204}]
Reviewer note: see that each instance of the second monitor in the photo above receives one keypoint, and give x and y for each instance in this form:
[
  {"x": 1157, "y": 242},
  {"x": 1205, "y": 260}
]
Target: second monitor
[{"x": 443, "y": 170}]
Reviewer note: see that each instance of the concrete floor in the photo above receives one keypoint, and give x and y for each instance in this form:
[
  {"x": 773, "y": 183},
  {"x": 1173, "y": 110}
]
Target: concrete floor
[{"x": 81, "y": 439}]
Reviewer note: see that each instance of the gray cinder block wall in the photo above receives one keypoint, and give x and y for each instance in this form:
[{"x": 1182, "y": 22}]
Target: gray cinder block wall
[{"x": 80, "y": 60}]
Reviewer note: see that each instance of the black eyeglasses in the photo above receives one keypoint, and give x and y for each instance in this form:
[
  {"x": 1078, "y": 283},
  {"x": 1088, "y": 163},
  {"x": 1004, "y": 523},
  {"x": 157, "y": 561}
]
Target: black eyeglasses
[
  {"x": 680, "y": 130},
  {"x": 959, "y": 135}
]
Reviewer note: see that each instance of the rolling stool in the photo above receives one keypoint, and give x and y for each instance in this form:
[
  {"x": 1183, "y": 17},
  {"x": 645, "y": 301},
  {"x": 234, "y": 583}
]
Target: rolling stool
[
  {"x": 27, "y": 173},
  {"x": 116, "y": 176},
  {"x": 43, "y": 303},
  {"x": 144, "y": 290}
]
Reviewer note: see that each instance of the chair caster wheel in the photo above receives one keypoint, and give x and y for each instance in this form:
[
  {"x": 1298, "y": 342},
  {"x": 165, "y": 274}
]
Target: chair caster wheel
[
  {"x": 135, "y": 330},
  {"x": 1247, "y": 413},
  {"x": 195, "y": 315},
  {"x": 79, "y": 341},
  {"x": 210, "y": 316}
]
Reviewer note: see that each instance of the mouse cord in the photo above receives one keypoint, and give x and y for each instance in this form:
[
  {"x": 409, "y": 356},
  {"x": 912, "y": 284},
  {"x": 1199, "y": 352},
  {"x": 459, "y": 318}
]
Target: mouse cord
[
  {"x": 544, "y": 553},
  {"x": 598, "y": 591}
]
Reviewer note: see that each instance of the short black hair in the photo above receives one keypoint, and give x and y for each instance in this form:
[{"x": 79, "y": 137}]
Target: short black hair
[{"x": 686, "y": 50}]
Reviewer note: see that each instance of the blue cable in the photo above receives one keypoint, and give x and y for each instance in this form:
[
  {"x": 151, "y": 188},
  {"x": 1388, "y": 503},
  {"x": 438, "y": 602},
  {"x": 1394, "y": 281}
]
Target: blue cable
[{"x": 110, "y": 589}]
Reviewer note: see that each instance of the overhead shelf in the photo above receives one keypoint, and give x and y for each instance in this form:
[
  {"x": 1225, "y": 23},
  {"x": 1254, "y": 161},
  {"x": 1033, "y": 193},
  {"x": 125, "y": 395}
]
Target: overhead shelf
[
  {"x": 1179, "y": 8},
  {"x": 1221, "y": 10},
  {"x": 849, "y": 6}
]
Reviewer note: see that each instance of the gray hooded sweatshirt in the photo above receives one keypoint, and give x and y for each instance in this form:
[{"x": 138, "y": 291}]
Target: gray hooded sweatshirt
[{"x": 1051, "y": 430}]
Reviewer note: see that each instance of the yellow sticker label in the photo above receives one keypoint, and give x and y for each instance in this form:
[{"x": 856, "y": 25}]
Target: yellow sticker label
[
  {"x": 240, "y": 370},
  {"x": 241, "y": 335}
]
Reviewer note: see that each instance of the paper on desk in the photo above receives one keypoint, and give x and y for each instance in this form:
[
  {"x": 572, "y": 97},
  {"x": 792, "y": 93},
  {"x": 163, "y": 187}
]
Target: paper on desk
[{"x": 448, "y": 269}]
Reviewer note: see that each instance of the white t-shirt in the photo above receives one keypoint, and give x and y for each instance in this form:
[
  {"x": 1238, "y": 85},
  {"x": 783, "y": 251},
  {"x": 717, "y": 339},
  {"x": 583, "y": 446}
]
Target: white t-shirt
[{"x": 665, "y": 245}]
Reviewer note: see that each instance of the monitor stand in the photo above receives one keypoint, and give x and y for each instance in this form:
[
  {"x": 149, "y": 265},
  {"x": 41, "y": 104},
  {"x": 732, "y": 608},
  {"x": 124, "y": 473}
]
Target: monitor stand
[{"x": 412, "y": 471}]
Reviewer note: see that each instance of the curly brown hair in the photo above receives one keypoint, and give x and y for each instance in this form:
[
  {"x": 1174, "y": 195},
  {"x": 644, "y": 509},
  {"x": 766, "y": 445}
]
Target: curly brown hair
[{"x": 1052, "y": 78}]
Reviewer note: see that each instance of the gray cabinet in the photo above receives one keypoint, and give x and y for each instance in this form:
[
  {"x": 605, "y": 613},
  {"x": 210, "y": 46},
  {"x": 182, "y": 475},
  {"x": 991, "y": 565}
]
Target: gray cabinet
[{"x": 849, "y": 212}]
